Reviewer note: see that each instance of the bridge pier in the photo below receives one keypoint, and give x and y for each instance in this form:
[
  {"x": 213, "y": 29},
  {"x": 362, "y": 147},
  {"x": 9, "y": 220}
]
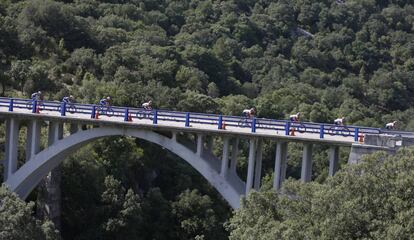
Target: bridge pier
[
  {"x": 280, "y": 164},
  {"x": 306, "y": 173},
  {"x": 225, "y": 157},
  {"x": 50, "y": 195},
  {"x": 33, "y": 139},
  {"x": 250, "y": 166},
  {"x": 200, "y": 145},
  {"x": 234, "y": 154},
  {"x": 333, "y": 160},
  {"x": 258, "y": 170},
  {"x": 12, "y": 142}
]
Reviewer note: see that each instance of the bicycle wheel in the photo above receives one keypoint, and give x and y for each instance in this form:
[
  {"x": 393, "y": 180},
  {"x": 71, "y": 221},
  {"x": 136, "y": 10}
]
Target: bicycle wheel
[
  {"x": 71, "y": 108},
  {"x": 243, "y": 123},
  {"x": 345, "y": 132},
  {"x": 331, "y": 131},
  {"x": 29, "y": 105},
  {"x": 301, "y": 128},
  {"x": 109, "y": 112},
  {"x": 140, "y": 115}
]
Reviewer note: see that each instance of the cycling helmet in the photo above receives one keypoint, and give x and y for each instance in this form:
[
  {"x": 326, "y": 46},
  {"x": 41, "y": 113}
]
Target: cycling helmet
[
  {"x": 39, "y": 92},
  {"x": 108, "y": 98},
  {"x": 71, "y": 96}
]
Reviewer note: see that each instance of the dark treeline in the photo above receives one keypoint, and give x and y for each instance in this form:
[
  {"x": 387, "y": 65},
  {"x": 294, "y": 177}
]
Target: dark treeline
[{"x": 325, "y": 59}]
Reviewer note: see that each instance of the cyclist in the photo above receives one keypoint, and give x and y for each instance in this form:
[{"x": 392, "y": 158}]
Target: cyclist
[
  {"x": 69, "y": 99},
  {"x": 147, "y": 105},
  {"x": 105, "y": 102},
  {"x": 294, "y": 117},
  {"x": 390, "y": 125},
  {"x": 339, "y": 121},
  {"x": 37, "y": 96},
  {"x": 248, "y": 113}
]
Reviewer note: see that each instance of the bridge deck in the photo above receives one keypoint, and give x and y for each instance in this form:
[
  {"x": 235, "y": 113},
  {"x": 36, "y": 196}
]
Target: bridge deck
[{"x": 180, "y": 126}]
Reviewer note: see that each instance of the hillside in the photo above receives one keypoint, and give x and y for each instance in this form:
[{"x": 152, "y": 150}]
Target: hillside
[{"x": 325, "y": 59}]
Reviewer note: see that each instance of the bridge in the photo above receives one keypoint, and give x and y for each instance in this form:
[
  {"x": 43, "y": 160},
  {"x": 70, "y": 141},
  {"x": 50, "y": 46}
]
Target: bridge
[{"x": 170, "y": 130}]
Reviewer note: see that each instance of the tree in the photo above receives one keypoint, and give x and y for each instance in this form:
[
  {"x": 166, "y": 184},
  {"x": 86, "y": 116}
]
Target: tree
[
  {"x": 370, "y": 200},
  {"x": 17, "y": 221}
]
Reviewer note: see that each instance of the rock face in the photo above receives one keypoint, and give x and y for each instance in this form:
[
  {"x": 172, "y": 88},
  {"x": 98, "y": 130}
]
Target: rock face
[
  {"x": 49, "y": 197},
  {"x": 373, "y": 143}
]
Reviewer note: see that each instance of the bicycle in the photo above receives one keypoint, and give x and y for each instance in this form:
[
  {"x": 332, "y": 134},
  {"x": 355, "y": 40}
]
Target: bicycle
[
  {"x": 106, "y": 110},
  {"x": 40, "y": 104},
  {"x": 339, "y": 130},
  {"x": 244, "y": 122},
  {"x": 299, "y": 126},
  {"x": 144, "y": 113},
  {"x": 70, "y": 107}
]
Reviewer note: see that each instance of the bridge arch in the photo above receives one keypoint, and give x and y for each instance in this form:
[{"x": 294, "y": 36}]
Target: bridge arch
[{"x": 27, "y": 177}]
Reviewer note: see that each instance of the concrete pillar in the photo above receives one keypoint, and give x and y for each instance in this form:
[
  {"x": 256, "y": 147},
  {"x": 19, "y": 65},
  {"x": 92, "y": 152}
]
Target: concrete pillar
[
  {"x": 209, "y": 141},
  {"x": 33, "y": 138},
  {"x": 49, "y": 194},
  {"x": 174, "y": 136},
  {"x": 12, "y": 143},
  {"x": 250, "y": 167},
  {"x": 234, "y": 153},
  {"x": 333, "y": 160},
  {"x": 225, "y": 158},
  {"x": 55, "y": 132},
  {"x": 258, "y": 171},
  {"x": 280, "y": 164},
  {"x": 73, "y": 128},
  {"x": 307, "y": 163},
  {"x": 200, "y": 144}
]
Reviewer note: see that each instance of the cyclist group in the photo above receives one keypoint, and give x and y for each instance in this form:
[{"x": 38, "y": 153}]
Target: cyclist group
[
  {"x": 247, "y": 113},
  {"x": 250, "y": 113}
]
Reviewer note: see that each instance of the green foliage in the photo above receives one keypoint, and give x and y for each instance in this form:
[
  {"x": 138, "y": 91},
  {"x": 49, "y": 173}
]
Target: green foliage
[
  {"x": 321, "y": 58},
  {"x": 370, "y": 200},
  {"x": 17, "y": 221}
]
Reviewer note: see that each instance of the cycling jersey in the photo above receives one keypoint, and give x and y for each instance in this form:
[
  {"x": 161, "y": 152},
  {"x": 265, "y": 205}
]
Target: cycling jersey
[
  {"x": 66, "y": 99},
  {"x": 294, "y": 118},
  {"x": 338, "y": 121},
  {"x": 103, "y": 101},
  {"x": 146, "y": 105}
]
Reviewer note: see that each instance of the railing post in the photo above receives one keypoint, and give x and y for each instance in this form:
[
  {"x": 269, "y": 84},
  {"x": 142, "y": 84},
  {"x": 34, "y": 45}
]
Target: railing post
[
  {"x": 287, "y": 128},
  {"x": 126, "y": 117},
  {"x": 63, "y": 109},
  {"x": 254, "y": 125},
  {"x": 187, "y": 119},
  {"x": 93, "y": 111},
  {"x": 34, "y": 106},
  {"x": 155, "y": 119},
  {"x": 322, "y": 131},
  {"x": 220, "y": 122},
  {"x": 11, "y": 105},
  {"x": 356, "y": 134}
]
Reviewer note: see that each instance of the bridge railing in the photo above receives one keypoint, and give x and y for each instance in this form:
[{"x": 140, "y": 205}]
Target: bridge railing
[{"x": 189, "y": 118}]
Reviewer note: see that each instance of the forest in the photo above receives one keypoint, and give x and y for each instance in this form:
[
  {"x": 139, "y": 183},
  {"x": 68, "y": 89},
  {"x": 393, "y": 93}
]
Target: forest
[{"x": 325, "y": 59}]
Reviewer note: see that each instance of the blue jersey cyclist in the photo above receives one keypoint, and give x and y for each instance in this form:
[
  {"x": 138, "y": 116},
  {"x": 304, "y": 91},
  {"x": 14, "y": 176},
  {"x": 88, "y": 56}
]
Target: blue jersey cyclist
[
  {"x": 105, "y": 101},
  {"x": 69, "y": 99},
  {"x": 36, "y": 96}
]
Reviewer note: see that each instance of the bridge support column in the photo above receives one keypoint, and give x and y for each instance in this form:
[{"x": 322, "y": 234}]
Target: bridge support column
[
  {"x": 258, "y": 170},
  {"x": 33, "y": 139},
  {"x": 200, "y": 145},
  {"x": 174, "y": 136},
  {"x": 234, "y": 153},
  {"x": 280, "y": 164},
  {"x": 73, "y": 128},
  {"x": 250, "y": 167},
  {"x": 49, "y": 197},
  {"x": 333, "y": 160},
  {"x": 12, "y": 142},
  {"x": 210, "y": 141},
  {"x": 307, "y": 163},
  {"x": 225, "y": 158}
]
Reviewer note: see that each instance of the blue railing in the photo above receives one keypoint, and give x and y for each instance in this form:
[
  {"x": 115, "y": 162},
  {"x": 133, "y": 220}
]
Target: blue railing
[{"x": 188, "y": 118}]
